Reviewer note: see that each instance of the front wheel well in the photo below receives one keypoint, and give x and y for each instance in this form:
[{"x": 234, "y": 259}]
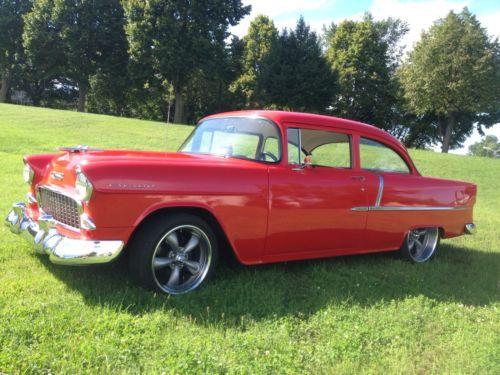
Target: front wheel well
[{"x": 226, "y": 250}]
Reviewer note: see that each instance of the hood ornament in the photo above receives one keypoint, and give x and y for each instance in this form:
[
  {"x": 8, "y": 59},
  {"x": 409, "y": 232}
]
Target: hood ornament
[
  {"x": 58, "y": 176},
  {"x": 79, "y": 148}
]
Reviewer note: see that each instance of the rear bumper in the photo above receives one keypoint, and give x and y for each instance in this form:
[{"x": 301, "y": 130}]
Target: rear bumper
[
  {"x": 45, "y": 238},
  {"x": 470, "y": 228}
]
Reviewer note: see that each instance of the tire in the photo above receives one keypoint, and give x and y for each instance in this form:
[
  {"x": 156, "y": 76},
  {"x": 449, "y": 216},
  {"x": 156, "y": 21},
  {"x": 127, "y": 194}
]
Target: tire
[
  {"x": 174, "y": 254},
  {"x": 420, "y": 244}
]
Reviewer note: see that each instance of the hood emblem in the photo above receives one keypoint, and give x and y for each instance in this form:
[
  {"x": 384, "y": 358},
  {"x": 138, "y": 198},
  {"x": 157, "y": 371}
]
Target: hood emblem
[{"x": 58, "y": 176}]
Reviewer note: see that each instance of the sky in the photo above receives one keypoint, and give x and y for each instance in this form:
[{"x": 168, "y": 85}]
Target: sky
[{"x": 419, "y": 15}]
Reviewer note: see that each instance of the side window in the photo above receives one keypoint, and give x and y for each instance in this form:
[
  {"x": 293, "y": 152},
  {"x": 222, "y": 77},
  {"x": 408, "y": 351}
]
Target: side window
[
  {"x": 326, "y": 148},
  {"x": 271, "y": 150},
  {"x": 295, "y": 156},
  {"x": 336, "y": 153},
  {"x": 377, "y": 157}
]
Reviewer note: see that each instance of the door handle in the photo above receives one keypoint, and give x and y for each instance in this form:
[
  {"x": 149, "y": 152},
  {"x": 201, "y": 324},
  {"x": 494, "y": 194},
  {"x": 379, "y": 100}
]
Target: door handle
[{"x": 358, "y": 178}]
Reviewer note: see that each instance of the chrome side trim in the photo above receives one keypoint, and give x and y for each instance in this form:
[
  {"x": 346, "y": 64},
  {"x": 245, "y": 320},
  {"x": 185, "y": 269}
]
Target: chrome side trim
[
  {"x": 380, "y": 190},
  {"x": 364, "y": 209},
  {"x": 408, "y": 208}
]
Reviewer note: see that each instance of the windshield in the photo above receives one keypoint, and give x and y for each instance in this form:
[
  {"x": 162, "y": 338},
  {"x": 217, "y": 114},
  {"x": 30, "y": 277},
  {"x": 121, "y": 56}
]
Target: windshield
[{"x": 237, "y": 137}]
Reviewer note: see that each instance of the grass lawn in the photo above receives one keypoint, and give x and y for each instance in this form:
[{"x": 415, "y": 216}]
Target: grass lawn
[{"x": 368, "y": 314}]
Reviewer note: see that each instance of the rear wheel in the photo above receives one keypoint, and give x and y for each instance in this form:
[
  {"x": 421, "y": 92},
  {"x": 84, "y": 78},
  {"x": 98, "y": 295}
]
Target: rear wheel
[
  {"x": 420, "y": 244},
  {"x": 173, "y": 255}
]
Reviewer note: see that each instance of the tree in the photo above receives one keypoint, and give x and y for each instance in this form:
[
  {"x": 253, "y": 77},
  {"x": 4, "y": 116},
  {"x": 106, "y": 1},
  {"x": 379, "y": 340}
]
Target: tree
[
  {"x": 173, "y": 39},
  {"x": 11, "y": 47},
  {"x": 364, "y": 55},
  {"x": 75, "y": 39},
  {"x": 488, "y": 146},
  {"x": 295, "y": 74},
  {"x": 453, "y": 73},
  {"x": 257, "y": 44}
]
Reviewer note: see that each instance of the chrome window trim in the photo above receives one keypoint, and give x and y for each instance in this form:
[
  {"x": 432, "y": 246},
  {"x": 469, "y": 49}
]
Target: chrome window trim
[{"x": 380, "y": 190}]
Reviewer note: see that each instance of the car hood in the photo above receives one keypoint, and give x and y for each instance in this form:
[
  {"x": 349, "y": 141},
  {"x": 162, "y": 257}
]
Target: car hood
[{"x": 99, "y": 163}]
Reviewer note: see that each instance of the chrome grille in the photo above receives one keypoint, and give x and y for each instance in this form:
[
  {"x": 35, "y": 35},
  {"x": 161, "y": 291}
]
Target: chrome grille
[{"x": 62, "y": 208}]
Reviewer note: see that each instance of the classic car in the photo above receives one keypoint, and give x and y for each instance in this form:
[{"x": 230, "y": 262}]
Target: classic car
[{"x": 268, "y": 186}]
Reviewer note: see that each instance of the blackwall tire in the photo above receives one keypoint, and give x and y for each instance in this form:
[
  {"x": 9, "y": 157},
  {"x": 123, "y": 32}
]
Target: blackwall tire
[{"x": 174, "y": 254}]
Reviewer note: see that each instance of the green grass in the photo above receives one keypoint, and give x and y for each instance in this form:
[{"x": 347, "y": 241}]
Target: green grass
[{"x": 368, "y": 314}]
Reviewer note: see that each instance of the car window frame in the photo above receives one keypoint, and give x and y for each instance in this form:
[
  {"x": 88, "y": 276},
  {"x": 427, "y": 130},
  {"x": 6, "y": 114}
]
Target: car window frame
[
  {"x": 361, "y": 137},
  {"x": 350, "y": 136},
  {"x": 279, "y": 132}
]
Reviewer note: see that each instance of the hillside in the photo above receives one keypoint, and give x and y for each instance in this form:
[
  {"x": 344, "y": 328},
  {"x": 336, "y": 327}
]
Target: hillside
[{"x": 351, "y": 314}]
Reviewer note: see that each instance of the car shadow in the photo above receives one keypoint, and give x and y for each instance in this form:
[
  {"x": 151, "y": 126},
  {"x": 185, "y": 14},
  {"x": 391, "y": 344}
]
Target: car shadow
[{"x": 238, "y": 293}]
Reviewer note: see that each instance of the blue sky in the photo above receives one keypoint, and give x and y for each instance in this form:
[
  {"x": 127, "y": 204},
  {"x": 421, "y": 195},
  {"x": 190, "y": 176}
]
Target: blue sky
[{"x": 419, "y": 14}]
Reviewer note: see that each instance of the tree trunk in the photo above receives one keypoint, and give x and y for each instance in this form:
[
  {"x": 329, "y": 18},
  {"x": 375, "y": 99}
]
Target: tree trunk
[
  {"x": 179, "y": 105},
  {"x": 450, "y": 124},
  {"x": 82, "y": 96},
  {"x": 4, "y": 88}
]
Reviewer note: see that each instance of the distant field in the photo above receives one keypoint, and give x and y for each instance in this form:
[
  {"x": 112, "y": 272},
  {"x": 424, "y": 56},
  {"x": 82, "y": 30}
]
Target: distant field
[{"x": 370, "y": 314}]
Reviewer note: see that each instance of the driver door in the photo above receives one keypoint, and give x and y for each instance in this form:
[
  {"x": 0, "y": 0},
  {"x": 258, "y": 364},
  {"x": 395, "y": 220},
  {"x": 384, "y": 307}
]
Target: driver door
[{"x": 311, "y": 205}]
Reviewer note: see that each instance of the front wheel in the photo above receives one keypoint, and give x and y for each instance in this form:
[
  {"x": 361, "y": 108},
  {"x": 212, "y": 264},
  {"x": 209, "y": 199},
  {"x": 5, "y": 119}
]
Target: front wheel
[
  {"x": 173, "y": 255},
  {"x": 420, "y": 244}
]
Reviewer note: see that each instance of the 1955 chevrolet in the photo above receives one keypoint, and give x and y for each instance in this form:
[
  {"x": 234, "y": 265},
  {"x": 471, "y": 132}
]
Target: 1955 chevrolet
[{"x": 267, "y": 185}]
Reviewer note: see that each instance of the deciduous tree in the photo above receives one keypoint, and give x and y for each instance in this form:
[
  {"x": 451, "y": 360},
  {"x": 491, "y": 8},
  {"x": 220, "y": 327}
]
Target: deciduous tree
[
  {"x": 488, "y": 146},
  {"x": 364, "y": 55},
  {"x": 176, "y": 38},
  {"x": 75, "y": 39},
  {"x": 11, "y": 42},
  {"x": 257, "y": 44},
  {"x": 453, "y": 73}
]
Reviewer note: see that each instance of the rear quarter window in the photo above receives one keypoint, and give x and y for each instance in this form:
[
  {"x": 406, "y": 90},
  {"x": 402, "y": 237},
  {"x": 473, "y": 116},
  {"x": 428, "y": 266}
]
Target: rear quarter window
[{"x": 376, "y": 156}]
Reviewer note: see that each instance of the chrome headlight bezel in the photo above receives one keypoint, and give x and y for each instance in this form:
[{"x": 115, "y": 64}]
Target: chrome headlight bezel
[
  {"x": 28, "y": 173},
  {"x": 83, "y": 186}
]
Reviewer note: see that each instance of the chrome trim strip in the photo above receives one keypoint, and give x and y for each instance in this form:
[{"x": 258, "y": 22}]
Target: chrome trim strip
[
  {"x": 364, "y": 209},
  {"x": 408, "y": 208},
  {"x": 380, "y": 190}
]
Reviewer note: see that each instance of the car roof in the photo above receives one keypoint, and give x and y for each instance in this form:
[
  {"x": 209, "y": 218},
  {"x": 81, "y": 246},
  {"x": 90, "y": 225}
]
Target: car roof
[{"x": 281, "y": 117}]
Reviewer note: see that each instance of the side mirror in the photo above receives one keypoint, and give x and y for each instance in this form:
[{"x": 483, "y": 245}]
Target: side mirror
[{"x": 307, "y": 164}]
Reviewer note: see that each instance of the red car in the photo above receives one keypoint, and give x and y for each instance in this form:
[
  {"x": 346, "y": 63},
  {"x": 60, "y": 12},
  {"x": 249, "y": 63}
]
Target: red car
[{"x": 270, "y": 186}]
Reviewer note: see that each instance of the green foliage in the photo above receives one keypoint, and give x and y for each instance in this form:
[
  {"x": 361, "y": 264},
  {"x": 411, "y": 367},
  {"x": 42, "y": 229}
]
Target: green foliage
[
  {"x": 295, "y": 74},
  {"x": 453, "y": 73},
  {"x": 363, "y": 55},
  {"x": 174, "y": 39},
  {"x": 261, "y": 38},
  {"x": 489, "y": 146},
  {"x": 11, "y": 48},
  {"x": 77, "y": 39},
  {"x": 362, "y": 314}
]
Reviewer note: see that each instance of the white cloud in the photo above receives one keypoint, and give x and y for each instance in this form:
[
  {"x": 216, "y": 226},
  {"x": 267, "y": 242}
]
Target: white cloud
[
  {"x": 491, "y": 22},
  {"x": 274, "y": 9},
  {"x": 418, "y": 14}
]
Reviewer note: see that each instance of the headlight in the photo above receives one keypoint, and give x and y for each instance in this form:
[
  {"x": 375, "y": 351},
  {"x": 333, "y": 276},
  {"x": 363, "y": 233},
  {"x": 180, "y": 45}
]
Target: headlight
[
  {"x": 83, "y": 186},
  {"x": 28, "y": 173}
]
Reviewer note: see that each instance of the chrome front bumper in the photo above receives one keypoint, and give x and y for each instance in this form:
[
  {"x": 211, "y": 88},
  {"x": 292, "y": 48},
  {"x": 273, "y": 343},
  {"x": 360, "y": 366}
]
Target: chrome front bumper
[{"x": 43, "y": 235}]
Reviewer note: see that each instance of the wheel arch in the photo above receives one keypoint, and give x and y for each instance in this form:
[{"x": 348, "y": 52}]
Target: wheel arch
[{"x": 226, "y": 248}]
